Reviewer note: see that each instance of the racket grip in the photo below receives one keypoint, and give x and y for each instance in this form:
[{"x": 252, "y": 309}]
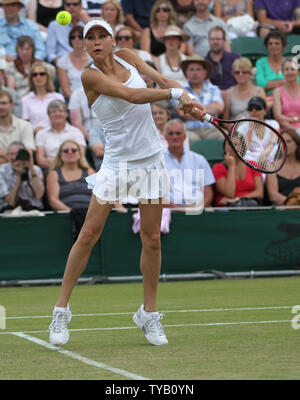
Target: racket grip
[{"x": 207, "y": 117}]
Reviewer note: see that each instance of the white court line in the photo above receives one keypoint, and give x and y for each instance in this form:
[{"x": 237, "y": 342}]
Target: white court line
[
  {"x": 167, "y": 312},
  {"x": 78, "y": 357},
  {"x": 165, "y": 326}
]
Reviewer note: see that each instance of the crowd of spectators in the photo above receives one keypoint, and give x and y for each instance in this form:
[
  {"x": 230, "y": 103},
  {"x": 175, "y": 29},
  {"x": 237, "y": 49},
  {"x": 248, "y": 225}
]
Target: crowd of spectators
[{"x": 50, "y": 139}]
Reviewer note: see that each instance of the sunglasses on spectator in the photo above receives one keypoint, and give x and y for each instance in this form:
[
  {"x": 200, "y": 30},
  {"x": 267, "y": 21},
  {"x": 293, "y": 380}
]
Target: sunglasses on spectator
[
  {"x": 164, "y": 9},
  {"x": 241, "y": 72},
  {"x": 177, "y": 133},
  {"x": 71, "y": 150},
  {"x": 125, "y": 37},
  {"x": 79, "y": 36},
  {"x": 72, "y": 4},
  {"x": 35, "y": 74},
  {"x": 257, "y": 108}
]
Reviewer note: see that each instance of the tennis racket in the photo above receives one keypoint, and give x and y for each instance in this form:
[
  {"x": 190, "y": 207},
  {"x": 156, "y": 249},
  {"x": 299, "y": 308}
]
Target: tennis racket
[{"x": 256, "y": 143}]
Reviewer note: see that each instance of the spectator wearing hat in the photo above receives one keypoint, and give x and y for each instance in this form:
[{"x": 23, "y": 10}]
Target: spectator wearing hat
[
  {"x": 12, "y": 26},
  {"x": 257, "y": 109},
  {"x": 221, "y": 59},
  {"x": 168, "y": 63},
  {"x": 198, "y": 26},
  {"x": 197, "y": 71}
]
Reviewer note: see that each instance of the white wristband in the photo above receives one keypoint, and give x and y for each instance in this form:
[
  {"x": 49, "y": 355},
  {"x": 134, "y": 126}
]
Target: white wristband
[
  {"x": 192, "y": 97},
  {"x": 176, "y": 93}
]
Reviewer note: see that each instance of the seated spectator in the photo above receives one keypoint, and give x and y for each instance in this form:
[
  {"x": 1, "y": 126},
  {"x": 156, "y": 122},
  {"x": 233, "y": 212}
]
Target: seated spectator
[
  {"x": 17, "y": 108},
  {"x": 42, "y": 12},
  {"x": 162, "y": 15},
  {"x": 12, "y": 26},
  {"x": 12, "y": 128},
  {"x": 280, "y": 185},
  {"x": 221, "y": 59},
  {"x": 70, "y": 66},
  {"x": 184, "y": 10},
  {"x": 168, "y": 63},
  {"x": 66, "y": 186},
  {"x": 285, "y": 16},
  {"x": 112, "y": 12},
  {"x": 81, "y": 114},
  {"x": 237, "y": 97},
  {"x": 21, "y": 182},
  {"x": 257, "y": 109},
  {"x": 58, "y": 44},
  {"x": 97, "y": 145},
  {"x": 286, "y": 98},
  {"x": 198, "y": 26},
  {"x": 18, "y": 70},
  {"x": 34, "y": 104},
  {"x": 269, "y": 69},
  {"x": 161, "y": 113},
  {"x": 237, "y": 185},
  {"x": 137, "y": 14},
  {"x": 126, "y": 39},
  {"x": 186, "y": 190},
  {"x": 49, "y": 139},
  {"x": 93, "y": 8},
  {"x": 198, "y": 71}
]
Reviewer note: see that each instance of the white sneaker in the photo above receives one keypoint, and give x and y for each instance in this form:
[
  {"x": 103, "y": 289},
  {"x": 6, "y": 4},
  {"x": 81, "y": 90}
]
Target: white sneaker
[
  {"x": 59, "y": 333},
  {"x": 150, "y": 324}
]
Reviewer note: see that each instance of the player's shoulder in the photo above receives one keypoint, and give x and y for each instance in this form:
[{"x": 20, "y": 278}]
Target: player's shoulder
[{"x": 128, "y": 55}]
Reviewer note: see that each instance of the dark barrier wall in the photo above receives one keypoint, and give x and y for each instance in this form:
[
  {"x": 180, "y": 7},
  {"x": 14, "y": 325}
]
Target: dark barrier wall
[{"x": 228, "y": 241}]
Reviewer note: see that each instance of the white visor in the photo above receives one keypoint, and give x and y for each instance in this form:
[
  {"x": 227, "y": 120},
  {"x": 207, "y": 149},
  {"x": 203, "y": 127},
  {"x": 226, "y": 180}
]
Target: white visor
[{"x": 97, "y": 22}]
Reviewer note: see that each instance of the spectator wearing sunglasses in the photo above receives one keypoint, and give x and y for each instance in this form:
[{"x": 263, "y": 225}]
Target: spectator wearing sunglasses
[
  {"x": 126, "y": 39},
  {"x": 66, "y": 186},
  {"x": 178, "y": 160},
  {"x": 35, "y": 103},
  {"x": 49, "y": 139},
  {"x": 58, "y": 43},
  {"x": 70, "y": 66},
  {"x": 221, "y": 59},
  {"x": 236, "y": 98}
]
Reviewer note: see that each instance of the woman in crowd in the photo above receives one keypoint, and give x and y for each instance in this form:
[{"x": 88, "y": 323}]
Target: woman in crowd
[
  {"x": 281, "y": 184},
  {"x": 168, "y": 63},
  {"x": 286, "y": 98},
  {"x": 35, "y": 103},
  {"x": 236, "y": 183},
  {"x": 161, "y": 113},
  {"x": 66, "y": 185},
  {"x": 70, "y": 66},
  {"x": 18, "y": 70},
  {"x": 162, "y": 15},
  {"x": 43, "y": 12},
  {"x": 237, "y": 97},
  {"x": 269, "y": 74},
  {"x": 112, "y": 12},
  {"x": 126, "y": 38}
]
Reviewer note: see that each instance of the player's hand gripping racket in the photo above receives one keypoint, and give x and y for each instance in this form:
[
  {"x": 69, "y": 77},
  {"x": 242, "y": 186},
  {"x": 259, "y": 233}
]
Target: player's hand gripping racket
[{"x": 256, "y": 143}]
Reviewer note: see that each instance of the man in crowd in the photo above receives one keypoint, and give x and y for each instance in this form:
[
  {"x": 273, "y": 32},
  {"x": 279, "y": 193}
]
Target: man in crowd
[
  {"x": 221, "y": 59},
  {"x": 137, "y": 14},
  {"x": 58, "y": 35},
  {"x": 12, "y": 26},
  {"x": 12, "y": 128},
  {"x": 21, "y": 182},
  {"x": 17, "y": 108},
  {"x": 190, "y": 173},
  {"x": 198, "y": 71},
  {"x": 198, "y": 26}
]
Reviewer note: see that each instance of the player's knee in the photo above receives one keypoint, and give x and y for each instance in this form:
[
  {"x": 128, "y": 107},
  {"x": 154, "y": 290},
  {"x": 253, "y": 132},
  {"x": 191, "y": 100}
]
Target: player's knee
[
  {"x": 151, "y": 240},
  {"x": 88, "y": 235}
]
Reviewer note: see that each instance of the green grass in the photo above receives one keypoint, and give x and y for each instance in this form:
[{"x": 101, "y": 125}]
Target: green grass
[{"x": 195, "y": 352}]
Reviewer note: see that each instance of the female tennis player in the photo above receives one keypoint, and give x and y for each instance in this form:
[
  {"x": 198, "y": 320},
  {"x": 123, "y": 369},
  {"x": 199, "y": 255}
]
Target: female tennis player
[{"x": 132, "y": 162}]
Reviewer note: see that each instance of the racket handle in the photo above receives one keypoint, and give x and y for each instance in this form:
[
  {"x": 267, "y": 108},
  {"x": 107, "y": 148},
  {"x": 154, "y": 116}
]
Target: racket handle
[{"x": 207, "y": 117}]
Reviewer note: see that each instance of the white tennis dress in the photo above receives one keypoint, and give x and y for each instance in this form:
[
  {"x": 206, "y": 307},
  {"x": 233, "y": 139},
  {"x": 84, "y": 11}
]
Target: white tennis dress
[{"x": 133, "y": 162}]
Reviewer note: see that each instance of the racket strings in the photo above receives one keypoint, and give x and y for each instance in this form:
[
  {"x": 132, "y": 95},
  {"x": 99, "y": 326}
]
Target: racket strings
[{"x": 258, "y": 145}]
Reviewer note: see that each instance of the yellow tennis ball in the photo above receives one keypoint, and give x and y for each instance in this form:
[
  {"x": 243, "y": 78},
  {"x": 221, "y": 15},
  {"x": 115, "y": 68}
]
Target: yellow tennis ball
[{"x": 63, "y": 18}]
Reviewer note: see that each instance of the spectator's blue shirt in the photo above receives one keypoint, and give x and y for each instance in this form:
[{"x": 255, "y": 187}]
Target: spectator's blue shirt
[
  {"x": 9, "y": 35},
  {"x": 210, "y": 93},
  {"x": 185, "y": 177},
  {"x": 141, "y": 10},
  {"x": 58, "y": 40}
]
